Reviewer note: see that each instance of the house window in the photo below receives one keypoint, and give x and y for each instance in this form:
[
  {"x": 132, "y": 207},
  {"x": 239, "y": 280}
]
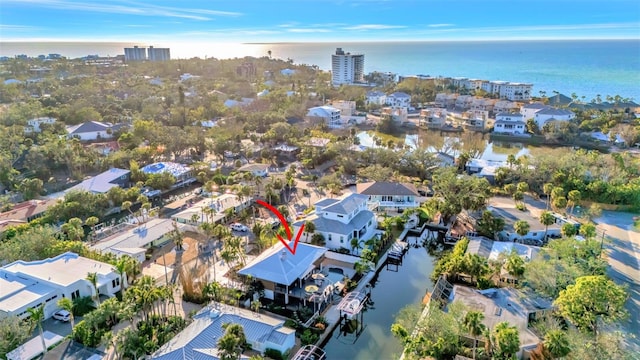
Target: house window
[
  {"x": 340, "y": 216},
  {"x": 341, "y": 239},
  {"x": 369, "y": 222},
  {"x": 115, "y": 283}
]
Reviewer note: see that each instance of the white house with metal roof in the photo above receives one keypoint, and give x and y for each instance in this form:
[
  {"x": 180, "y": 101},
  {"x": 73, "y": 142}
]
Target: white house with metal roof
[
  {"x": 510, "y": 123},
  {"x": 278, "y": 269},
  {"x": 29, "y": 284},
  {"x": 199, "y": 340},
  {"x": 92, "y": 130},
  {"x": 340, "y": 220},
  {"x": 552, "y": 114},
  {"x": 261, "y": 170},
  {"x": 102, "y": 182},
  {"x": 327, "y": 114},
  {"x": 389, "y": 195},
  {"x": 135, "y": 241},
  {"x": 398, "y": 99},
  {"x": 376, "y": 98}
]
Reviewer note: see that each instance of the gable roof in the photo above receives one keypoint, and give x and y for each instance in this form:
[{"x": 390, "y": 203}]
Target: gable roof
[
  {"x": 25, "y": 210},
  {"x": 200, "y": 338},
  {"x": 102, "y": 182},
  {"x": 347, "y": 204},
  {"x": 277, "y": 265},
  {"x": 399, "y": 95},
  {"x": 386, "y": 188},
  {"x": 88, "y": 126},
  {"x": 553, "y": 111},
  {"x": 337, "y": 227}
]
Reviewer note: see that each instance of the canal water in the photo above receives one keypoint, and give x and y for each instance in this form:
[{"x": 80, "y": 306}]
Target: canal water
[
  {"x": 476, "y": 144},
  {"x": 393, "y": 289}
]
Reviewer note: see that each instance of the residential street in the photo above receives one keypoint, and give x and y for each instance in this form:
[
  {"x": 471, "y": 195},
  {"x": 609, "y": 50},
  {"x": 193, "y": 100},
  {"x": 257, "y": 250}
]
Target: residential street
[{"x": 623, "y": 253}]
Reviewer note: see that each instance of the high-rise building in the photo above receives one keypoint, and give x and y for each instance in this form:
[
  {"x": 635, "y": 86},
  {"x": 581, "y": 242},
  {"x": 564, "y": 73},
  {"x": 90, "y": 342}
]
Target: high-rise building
[
  {"x": 135, "y": 54},
  {"x": 347, "y": 68},
  {"x": 159, "y": 54}
]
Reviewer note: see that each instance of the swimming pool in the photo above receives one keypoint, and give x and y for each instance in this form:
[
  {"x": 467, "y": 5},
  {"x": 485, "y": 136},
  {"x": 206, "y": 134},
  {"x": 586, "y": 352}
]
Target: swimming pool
[{"x": 334, "y": 275}]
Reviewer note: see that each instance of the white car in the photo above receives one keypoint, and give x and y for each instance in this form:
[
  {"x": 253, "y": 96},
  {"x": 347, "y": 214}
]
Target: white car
[
  {"x": 62, "y": 315},
  {"x": 239, "y": 227}
]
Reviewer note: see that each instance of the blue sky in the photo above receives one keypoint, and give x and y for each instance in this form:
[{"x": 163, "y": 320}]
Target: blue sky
[{"x": 316, "y": 20}]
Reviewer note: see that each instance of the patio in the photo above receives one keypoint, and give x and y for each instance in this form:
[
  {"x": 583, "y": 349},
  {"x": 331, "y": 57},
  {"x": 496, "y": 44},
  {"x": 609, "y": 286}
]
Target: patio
[{"x": 321, "y": 286}]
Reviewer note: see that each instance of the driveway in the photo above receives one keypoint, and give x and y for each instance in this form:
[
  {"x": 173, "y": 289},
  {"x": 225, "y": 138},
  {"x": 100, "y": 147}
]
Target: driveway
[
  {"x": 56, "y": 326},
  {"x": 622, "y": 249}
]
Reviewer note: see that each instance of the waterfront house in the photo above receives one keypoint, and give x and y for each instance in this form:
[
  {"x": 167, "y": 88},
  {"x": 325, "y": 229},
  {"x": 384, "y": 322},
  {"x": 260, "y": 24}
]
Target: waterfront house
[
  {"x": 341, "y": 220},
  {"x": 260, "y": 170},
  {"x": 389, "y": 195},
  {"x": 29, "y": 284},
  {"x": 509, "y": 123},
  {"x": 433, "y": 118},
  {"x": 102, "y": 182},
  {"x": 397, "y": 114},
  {"x": 135, "y": 241},
  {"x": 529, "y": 111},
  {"x": 398, "y": 99},
  {"x": 200, "y": 339},
  {"x": 328, "y": 115},
  {"x": 518, "y": 308},
  {"x": 550, "y": 114},
  {"x": 280, "y": 271}
]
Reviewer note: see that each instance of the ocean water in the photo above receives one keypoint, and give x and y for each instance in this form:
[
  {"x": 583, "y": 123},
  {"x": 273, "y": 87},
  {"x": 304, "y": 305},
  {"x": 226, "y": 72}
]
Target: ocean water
[{"x": 584, "y": 67}]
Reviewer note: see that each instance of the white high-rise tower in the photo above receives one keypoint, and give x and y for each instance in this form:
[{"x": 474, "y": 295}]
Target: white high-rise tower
[{"x": 346, "y": 68}]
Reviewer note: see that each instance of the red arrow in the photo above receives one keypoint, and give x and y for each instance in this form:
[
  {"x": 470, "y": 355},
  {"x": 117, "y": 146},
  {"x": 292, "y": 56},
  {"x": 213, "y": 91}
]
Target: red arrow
[{"x": 284, "y": 223}]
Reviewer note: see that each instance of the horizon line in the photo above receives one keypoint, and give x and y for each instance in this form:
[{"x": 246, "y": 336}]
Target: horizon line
[{"x": 319, "y": 41}]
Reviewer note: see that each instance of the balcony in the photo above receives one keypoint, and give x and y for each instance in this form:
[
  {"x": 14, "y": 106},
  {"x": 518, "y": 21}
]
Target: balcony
[{"x": 393, "y": 204}]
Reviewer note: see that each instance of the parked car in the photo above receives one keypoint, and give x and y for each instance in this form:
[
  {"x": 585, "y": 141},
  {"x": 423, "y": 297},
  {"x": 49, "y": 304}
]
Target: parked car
[
  {"x": 239, "y": 227},
  {"x": 275, "y": 224},
  {"x": 62, "y": 315}
]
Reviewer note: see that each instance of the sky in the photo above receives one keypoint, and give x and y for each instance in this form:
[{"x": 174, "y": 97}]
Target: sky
[{"x": 316, "y": 20}]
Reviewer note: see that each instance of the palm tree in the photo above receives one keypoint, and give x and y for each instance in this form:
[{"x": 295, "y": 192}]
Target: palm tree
[
  {"x": 67, "y": 304},
  {"x": 176, "y": 235},
  {"x": 574, "y": 197},
  {"x": 232, "y": 343},
  {"x": 546, "y": 189},
  {"x": 473, "y": 323},
  {"x": 556, "y": 342},
  {"x": 546, "y": 219},
  {"x": 514, "y": 264},
  {"x": 356, "y": 244},
  {"x": 521, "y": 227},
  {"x": 37, "y": 316},
  {"x": 121, "y": 267},
  {"x": 92, "y": 277}
]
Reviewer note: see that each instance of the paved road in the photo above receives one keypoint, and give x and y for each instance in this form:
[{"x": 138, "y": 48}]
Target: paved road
[{"x": 623, "y": 253}]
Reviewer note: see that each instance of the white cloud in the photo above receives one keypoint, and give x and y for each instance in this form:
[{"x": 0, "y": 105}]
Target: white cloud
[
  {"x": 308, "y": 30},
  {"x": 439, "y": 25},
  {"x": 373, "y": 27},
  {"x": 128, "y": 8},
  {"x": 18, "y": 27}
]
